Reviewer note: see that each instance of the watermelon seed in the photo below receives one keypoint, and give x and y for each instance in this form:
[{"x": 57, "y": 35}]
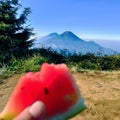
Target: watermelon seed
[
  {"x": 22, "y": 87},
  {"x": 46, "y": 91}
]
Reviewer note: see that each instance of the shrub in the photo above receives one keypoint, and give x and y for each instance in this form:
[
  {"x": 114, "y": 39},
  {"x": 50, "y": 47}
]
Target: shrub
[{"x": 24, "y": 65}]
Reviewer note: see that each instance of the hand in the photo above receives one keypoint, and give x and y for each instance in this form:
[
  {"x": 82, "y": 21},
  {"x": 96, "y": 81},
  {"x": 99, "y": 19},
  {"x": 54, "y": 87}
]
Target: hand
[{"x": 35, "y": 112}]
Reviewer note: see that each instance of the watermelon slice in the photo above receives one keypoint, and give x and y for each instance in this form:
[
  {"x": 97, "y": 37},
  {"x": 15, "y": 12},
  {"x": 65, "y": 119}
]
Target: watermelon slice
[{"x": 54, "y": 86}]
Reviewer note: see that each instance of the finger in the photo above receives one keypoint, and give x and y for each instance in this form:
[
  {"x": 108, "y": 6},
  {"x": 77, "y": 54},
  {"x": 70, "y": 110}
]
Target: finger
[{"x": 34, "y": 112}]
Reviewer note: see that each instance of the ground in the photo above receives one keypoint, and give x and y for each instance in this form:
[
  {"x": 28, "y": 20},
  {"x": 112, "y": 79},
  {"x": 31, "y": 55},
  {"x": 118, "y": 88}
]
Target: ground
[{"x": 101, "y": 91}]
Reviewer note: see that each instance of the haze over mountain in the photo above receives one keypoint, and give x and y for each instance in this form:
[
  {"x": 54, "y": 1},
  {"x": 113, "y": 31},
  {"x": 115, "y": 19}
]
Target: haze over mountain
[{"x": 72, "y": 43}]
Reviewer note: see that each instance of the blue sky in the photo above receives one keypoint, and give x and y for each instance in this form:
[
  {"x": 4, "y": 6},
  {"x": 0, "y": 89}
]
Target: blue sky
[
  {"x": 97, "y": 20},
  {"x": 91, "y": 19}
]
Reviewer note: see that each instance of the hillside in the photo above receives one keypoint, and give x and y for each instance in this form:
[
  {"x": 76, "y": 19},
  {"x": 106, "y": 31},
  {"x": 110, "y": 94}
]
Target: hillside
[
  {"x": 71, "y": 43},
  {"x": 101, "y": 91}
]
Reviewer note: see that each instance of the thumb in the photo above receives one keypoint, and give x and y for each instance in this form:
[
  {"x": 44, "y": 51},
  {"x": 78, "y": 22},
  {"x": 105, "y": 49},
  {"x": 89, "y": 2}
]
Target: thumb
[{"x": 34, "y": 112}]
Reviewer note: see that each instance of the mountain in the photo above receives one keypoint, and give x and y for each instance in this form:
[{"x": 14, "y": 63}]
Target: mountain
[{"x": 70, "y": 42}]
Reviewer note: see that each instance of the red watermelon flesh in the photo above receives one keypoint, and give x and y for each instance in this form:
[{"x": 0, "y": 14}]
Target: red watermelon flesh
[{"x": 54, "y": 86}]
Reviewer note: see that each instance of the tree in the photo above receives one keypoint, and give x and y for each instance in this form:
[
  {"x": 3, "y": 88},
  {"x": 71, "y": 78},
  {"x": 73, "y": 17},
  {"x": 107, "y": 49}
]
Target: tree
[{"x": 14, "y": 33}]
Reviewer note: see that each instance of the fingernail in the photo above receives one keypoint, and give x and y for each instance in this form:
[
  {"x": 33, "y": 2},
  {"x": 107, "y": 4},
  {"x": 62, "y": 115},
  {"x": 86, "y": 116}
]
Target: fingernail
[{"x": 37, "y": 109}]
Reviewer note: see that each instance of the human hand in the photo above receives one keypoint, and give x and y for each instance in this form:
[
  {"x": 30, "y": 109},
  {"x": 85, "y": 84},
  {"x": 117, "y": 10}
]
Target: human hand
[{"x": 35, "y": 112}]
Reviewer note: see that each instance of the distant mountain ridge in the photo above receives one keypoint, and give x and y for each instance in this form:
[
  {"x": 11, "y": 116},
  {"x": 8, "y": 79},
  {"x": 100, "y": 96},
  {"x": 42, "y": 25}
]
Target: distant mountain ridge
[{"x": 72, "y": 43}]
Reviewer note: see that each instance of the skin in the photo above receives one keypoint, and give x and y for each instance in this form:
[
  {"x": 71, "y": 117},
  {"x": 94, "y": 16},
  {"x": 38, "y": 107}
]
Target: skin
[{"x": 34, "y": 112}]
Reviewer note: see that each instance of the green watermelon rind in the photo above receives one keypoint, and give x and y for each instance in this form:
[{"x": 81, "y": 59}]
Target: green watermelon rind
[{"x": 73, "y": 110}]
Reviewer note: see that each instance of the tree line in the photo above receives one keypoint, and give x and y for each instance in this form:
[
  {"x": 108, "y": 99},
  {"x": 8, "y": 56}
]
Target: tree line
[{"x": 86, "y": 61}]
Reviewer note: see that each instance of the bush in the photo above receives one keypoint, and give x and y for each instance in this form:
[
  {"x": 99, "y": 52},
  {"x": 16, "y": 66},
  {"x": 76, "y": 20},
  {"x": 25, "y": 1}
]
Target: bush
[
  {"x": 25, "y": 65},
  {"x": 4, "y": 73},
  {"x": 110, "y": 62},
  {"x": 87, "y": 64}
]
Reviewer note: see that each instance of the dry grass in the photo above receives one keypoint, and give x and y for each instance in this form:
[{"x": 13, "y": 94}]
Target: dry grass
[{"x": 101, "y": 91}]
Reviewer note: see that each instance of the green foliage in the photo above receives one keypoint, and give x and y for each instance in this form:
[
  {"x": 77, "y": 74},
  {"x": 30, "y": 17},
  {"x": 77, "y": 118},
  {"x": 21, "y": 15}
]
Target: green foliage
[
  {"x": 14, "y": 33},
  {"x": 110, "y": 62},
  {"x": 75, "y": 58},
  {"x": 93, "y": 62},
  {"x": 87, "y": 64},
  {"x": 79, "y": 63},
  {"x": 53, "y": 56},
  {"x": 4, "y": 73},
  {"x": 25, "y": 65}
]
